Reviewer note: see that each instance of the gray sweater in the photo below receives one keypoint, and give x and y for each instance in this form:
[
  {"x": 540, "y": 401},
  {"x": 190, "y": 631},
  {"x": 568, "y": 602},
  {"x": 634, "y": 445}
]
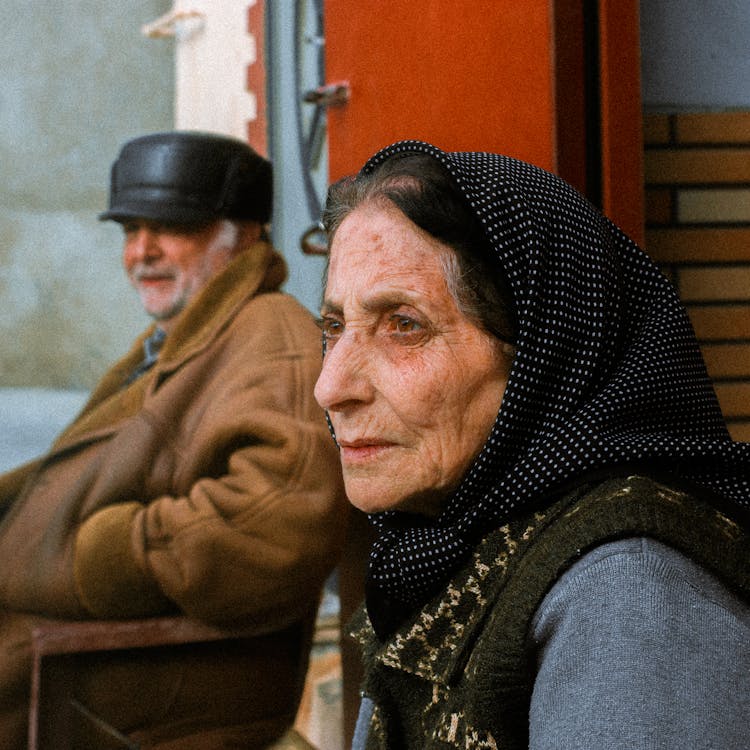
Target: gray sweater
[{"x": 638, "y": 648}]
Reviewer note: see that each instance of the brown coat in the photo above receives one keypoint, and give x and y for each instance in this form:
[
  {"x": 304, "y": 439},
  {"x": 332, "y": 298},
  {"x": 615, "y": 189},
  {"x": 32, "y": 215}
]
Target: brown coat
[{"x": 209, "y": 486}]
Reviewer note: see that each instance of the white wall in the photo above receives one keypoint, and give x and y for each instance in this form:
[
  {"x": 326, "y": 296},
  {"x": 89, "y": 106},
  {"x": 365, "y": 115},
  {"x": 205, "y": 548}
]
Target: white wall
[
  {"x": 212, "y": 53},
  {"x": 31, "y": 419}
]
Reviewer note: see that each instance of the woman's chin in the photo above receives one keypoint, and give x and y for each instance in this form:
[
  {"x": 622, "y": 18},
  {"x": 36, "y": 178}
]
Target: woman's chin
[
  {"x": 368, "y": 504},
  {"x": 369, "y": 500}
]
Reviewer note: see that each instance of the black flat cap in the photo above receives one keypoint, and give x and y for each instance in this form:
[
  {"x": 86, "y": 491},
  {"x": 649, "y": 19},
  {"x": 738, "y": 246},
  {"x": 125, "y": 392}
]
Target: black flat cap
[{"x": 189, "y": 177}]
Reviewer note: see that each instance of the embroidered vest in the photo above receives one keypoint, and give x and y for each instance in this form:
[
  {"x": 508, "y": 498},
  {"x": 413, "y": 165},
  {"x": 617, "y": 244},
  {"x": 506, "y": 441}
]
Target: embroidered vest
[{"x": 459, "y": 673}]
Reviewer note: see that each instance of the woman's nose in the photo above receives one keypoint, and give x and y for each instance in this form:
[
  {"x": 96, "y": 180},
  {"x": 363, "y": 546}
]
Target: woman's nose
[{"x": 345, "y": 378}]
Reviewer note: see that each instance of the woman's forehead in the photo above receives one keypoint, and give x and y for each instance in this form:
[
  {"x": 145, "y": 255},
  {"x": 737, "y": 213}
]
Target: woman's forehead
[
  {"x": 379, "y": 253},
  {"x": 381, "y": 239}
]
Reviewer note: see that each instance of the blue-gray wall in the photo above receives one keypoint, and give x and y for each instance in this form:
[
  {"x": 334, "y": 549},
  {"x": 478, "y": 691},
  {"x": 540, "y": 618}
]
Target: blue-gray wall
[
  {"x": 695, "y": 55},
  {"x": 294, "y": 61}
]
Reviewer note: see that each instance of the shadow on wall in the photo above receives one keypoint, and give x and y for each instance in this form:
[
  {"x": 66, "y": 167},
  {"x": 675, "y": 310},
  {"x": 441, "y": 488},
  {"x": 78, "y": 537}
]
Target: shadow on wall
[{"x": 31, "y": 418}]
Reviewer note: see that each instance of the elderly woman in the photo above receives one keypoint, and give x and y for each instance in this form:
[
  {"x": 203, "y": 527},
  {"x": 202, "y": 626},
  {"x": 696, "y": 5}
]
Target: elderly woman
[{"x": 562, "y": 556}]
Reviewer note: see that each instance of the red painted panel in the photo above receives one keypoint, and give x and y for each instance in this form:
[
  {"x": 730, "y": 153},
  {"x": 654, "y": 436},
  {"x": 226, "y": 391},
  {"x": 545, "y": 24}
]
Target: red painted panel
[
  {"x": 621, "y": 115},
  {"x": 496, "y": 75},
  {"x": 465, "y": 76}
]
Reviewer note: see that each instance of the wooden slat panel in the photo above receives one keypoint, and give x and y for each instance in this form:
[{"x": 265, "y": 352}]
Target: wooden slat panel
[
  {"x": 713, "y": 206},
  {"x": 734, "y": 399},
  {"x": 713, "y": 127},
  {"x": 658, "y": 205},
  {"x": 701, "y": 165},
  {"x": 727, "y": 360},
  {"x": 696, "y": 245},
  {"x": 656, "y": 130},
  {"x": 720, "y": 321},
  {"x": 717, "y": 283},
  {"x": 740, "y": 431}
]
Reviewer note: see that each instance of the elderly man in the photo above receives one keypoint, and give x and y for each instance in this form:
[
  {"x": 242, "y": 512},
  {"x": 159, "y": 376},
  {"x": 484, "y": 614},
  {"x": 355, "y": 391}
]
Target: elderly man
[{"x": 199, "y": 478}]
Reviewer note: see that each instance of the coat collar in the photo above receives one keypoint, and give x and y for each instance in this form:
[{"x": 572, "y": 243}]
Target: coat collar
[{"x": 258, "y": 269}]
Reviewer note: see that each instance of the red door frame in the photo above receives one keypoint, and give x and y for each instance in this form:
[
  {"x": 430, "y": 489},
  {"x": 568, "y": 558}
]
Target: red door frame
[{"x": 495, "y": 75}]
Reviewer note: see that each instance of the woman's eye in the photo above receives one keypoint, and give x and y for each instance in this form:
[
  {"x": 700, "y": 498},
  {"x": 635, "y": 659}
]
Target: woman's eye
[
  {"x": 404, "y": 324},
  {"x": 332, "y": 329}
]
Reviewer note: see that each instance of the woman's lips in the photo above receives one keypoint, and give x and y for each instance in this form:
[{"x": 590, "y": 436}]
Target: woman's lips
[{"x": 363, "y": 450}]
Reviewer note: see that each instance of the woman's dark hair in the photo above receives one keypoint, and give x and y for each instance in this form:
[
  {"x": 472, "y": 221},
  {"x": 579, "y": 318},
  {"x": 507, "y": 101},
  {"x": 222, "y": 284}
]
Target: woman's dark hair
[{"x": 422, "y": 189}]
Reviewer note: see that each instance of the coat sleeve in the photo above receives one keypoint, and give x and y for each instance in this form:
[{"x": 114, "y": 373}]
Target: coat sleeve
[
  {"x": 261, "y": 523},
  {"x": 12, "y": 482}
]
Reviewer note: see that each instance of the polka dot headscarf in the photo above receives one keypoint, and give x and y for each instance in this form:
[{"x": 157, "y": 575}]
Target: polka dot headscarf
[{"x": 607, "y": 374}]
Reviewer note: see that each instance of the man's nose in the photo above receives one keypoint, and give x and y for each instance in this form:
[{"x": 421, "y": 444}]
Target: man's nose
[{"x": 141, "y": 245}]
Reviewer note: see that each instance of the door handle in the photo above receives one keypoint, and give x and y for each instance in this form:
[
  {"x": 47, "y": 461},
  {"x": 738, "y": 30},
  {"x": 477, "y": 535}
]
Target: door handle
[{"x": 329, "y": 95}]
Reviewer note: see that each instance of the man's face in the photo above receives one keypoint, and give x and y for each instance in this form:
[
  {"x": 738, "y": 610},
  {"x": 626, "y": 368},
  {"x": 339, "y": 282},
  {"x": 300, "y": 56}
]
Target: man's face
[{"x": 168, "y": 264}]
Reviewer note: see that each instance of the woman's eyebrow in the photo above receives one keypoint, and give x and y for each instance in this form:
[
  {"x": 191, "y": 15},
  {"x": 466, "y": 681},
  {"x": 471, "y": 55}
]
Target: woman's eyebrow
[
  {"x": 375, "y": 304},
  {"x": 387, "y": 301},
  {"x": 329, "y": 308}
]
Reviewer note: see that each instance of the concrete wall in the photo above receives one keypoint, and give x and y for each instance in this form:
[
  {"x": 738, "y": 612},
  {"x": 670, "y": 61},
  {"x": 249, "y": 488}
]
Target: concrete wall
[
  {"x": 696, "y": 55},
  {"x": 76, "y": 80}
]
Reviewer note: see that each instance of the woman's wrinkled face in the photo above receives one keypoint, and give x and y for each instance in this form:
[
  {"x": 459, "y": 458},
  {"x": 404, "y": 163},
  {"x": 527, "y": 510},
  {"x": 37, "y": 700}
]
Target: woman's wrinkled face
[{"x": 411, "y": 385}]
